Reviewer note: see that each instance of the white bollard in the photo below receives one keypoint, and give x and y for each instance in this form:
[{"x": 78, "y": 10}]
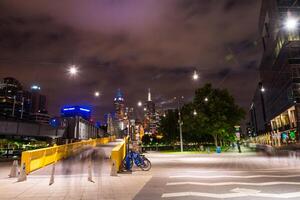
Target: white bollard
[
  {"x": 52, "y": 175},
  {"x": 113, "y": 171},
  {"x": 22, "y": 175},
  {"x": 14, "y": 169}
]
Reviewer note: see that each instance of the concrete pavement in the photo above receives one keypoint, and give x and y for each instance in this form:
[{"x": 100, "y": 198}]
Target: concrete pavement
[
  {"x": 173, "y": 176},
  {"x": 71, "y": 180},
  {"x": 222, "y": 176}
]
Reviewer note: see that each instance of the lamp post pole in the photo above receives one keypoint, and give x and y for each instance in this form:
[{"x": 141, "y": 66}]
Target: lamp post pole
[
  {"x": 180, "y": 130},
  {"x": 14, "y": 107},
  {"x": 180, "y": 123}
]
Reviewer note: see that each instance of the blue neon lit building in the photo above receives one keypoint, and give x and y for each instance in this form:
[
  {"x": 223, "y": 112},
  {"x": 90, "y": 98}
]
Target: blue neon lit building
[{"x": 73, "y": 111}]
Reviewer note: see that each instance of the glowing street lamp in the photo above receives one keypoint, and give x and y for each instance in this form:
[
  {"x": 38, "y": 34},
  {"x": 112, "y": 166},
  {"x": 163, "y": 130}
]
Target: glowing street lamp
[
  {"x": 139, "y": 104},
  {"x": 206, "y": 99},
  {"x": 195, "y": 113},
  {"x": 291, "y": 23},
  {"x": 195, "y": 76},
  {"x": 96, "y": 94},
  {"x": 262, "y": 89},
  {"x": 73, "y": 70}
]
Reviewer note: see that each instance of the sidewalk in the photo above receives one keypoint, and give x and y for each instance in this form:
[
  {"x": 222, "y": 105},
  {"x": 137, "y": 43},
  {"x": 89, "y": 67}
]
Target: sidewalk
[{"x": 71, "y": 180}]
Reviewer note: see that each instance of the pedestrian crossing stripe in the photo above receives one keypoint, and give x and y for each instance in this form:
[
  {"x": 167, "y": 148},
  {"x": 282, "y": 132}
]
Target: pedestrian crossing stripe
[
  {"x": 232, "y": 183},
  {"x": 235, "y": 176},
  {"x": 231, "y": 195}
]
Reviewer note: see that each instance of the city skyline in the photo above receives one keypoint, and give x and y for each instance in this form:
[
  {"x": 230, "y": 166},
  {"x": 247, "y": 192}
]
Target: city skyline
[
  {"x": 124, "y": 53},
  {"x": 149, "y": 99}
]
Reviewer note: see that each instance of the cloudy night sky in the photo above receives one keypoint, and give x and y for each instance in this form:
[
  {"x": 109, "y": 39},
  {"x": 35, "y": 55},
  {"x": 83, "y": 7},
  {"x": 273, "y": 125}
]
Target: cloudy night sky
[{"x": 132, "y": 45}]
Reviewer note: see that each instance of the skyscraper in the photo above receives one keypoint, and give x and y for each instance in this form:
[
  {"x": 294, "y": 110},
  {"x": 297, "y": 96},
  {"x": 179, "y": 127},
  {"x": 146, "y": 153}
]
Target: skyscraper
[
  {"x": 150, "y": 122},
  {"x": 38, "y": 101},
  {"x": 12, "y": 99},
  {"x": 119, "y": 104}
]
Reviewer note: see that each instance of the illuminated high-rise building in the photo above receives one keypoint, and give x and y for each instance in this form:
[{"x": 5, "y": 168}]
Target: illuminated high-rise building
[
  {"x": 119, "y": 109},
  {"x": 38, "y": 101},
  {"x": 150, "y": 122}
]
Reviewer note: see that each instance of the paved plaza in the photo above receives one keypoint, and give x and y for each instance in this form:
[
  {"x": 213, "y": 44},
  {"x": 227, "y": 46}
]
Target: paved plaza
[{"x": 172, "y": 177}]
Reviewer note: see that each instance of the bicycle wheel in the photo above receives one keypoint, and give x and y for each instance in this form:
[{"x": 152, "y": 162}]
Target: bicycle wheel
[
  {"x": 124, "y": 163},
  {"x": 146, "y": 165}
]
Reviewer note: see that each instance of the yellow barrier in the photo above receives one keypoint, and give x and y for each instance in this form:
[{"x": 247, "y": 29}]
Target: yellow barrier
[
  {"x": 36, "y": 159},
  {"x": 118, "y": 153}
]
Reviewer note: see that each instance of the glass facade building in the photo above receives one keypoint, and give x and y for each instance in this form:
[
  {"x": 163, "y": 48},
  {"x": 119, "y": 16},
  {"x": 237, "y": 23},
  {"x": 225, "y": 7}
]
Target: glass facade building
[{"x": 275, "y": 105}]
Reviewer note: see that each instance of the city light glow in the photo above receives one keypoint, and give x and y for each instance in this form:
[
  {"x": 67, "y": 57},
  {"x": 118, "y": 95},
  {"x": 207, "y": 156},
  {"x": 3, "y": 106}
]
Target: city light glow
[
  {"x": 291, "y": 23},
  {"x": 195, "y": 76},
  {"x": 73, "y": 70},
  {"x": 195, "y": 113},
  {"x": 139, "y": 104},
  {"x": 96, "y": 94},
  {"x": 35, "y": 87},
  {"x": 86, "y": 110},
  {"x": 66, "y": 109}
]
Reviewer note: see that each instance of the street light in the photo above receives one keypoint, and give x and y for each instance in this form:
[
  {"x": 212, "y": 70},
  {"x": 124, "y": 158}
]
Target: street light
[
  {"x": 206, "y": 99},
  {"x": 195, "y": 113},
  {"x": 180, "y": 122},
  {"x": 195, "y": 76},
  {"x": 73, "y": 70},
  {"x": 291, "y": 23},
  {"x": 262, "y": 89},
  {"x": 139, "y": 104},
  {"x": 96, "y": 94}
]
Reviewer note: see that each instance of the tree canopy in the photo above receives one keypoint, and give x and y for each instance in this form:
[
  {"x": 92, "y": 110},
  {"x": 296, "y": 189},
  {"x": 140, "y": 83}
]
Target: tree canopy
[{"x": 211, "y": 116}]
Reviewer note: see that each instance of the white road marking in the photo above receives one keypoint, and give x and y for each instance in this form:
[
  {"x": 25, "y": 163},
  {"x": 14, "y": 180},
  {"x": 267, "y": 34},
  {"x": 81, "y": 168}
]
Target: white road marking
[
  {"x": 233, "y": 176},
  {"x": 232, "y": 183},
  {"x": 232, "y": 195},
  {"x": 241, "y": 171},
  {"x": 245, "y": 190}
]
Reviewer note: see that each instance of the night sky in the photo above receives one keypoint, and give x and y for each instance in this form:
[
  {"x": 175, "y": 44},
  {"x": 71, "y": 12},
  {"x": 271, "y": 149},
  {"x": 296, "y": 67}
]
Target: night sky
[{"x": 132, "y": 45}]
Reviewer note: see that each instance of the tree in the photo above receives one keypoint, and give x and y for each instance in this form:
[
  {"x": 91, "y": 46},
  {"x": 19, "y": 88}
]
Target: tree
[
  {"x": 194, "y": 125},
  {"x": 168, "y": 126},
  {"x": 219, "y": 111},
  {"x": 214, "y": 121}
]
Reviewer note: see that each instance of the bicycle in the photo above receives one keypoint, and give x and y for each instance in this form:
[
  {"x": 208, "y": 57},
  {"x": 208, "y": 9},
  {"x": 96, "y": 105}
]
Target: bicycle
[{"x": 138, "y": 159}]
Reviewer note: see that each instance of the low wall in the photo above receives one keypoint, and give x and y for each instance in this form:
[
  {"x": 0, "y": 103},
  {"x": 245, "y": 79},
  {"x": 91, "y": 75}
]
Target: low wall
[
  {"x": 39, "y": 158},
  {"x": 118, "y": 153}
]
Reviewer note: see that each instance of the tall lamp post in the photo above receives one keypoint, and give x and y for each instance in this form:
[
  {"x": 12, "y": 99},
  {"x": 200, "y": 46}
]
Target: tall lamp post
[
  {"x": 262, "y": 90},
  {"x": 180, "y": 123}
]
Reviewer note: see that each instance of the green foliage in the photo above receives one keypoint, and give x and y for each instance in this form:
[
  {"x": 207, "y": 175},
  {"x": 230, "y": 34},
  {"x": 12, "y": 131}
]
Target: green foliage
[
  {"x": 169, "y": 127},
  {"x": 146, "y": 139},
  {"x": 217, "y": 114},
  {"x": 220, "y": 111}
]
